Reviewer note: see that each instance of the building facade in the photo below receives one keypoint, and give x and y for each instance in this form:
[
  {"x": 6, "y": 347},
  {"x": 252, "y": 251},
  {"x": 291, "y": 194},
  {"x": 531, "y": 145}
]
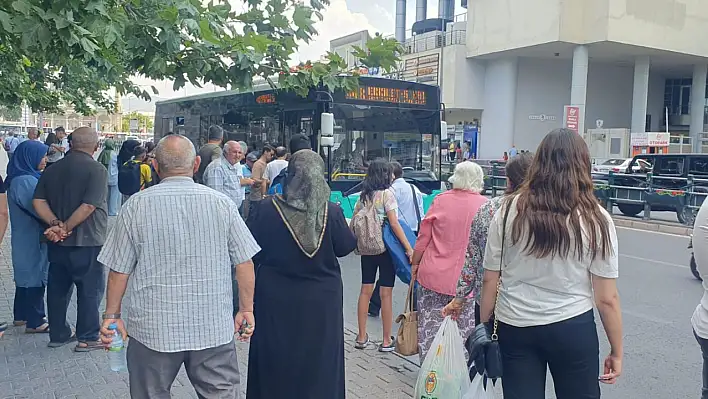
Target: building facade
[{"x": 523, "y": 65}]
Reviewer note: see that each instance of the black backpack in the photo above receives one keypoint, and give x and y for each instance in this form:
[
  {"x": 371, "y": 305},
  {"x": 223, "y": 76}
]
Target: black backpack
[{"x": 129, "y": 178}]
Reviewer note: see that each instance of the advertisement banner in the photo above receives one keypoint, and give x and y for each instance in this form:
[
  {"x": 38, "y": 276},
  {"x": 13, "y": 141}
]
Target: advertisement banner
[
  {"x": 571, "y": 117},
  {"x": 470, "y": 136}
]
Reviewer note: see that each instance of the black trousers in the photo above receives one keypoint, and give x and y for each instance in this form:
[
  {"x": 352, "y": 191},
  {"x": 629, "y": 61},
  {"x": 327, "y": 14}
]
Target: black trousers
[
  {"x": 69, "y": 266},
  {"x": 29, "y": 306},
  {"x": 569, "y": 348},
  {"x": 704, "y": 352}
]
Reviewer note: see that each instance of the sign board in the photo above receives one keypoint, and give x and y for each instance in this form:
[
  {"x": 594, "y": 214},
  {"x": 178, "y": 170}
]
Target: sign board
[
  {"x": 423, "y": 69},
  {"x": 571, "y": 117},
  {"x": 542, "y": 117},
  {"x": 649, "y": 139},
  {"x": 388, "y": 95},
  {"x": 134, "y": 126}
]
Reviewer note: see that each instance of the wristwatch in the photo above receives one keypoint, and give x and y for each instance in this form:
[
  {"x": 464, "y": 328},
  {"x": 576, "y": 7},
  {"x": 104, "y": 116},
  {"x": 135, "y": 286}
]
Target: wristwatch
[
  {"x": 111, "y": 316},
  {"x": 55, "y": 222}
]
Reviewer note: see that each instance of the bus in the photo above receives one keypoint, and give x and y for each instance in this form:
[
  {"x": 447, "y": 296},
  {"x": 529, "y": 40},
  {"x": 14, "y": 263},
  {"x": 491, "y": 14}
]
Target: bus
[{"x": 393, "y": 119}]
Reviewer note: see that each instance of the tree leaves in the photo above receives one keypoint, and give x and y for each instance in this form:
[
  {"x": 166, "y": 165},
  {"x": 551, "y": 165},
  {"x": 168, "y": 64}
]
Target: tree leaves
[{"x": 75, "y": 52}]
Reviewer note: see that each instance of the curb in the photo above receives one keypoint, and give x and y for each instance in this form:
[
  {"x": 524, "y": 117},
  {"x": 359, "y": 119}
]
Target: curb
[{"x": 653, "y": 226}]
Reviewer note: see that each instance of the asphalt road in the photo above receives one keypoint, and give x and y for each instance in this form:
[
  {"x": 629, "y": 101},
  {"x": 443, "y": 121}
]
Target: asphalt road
[{"x": 662, "y": 359}]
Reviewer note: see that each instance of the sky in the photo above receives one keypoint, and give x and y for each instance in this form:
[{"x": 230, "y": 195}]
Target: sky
[{"x": 341, "y": 18}]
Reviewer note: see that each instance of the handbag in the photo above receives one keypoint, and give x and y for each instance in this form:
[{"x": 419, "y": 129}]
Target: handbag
[
  {"x": 407, "y": 337},
  {"x": 493, "y": 358}
]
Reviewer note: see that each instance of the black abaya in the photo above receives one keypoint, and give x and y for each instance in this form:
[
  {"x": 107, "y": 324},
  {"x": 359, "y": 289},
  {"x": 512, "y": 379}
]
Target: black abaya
[{"x": 297, "y": 350}]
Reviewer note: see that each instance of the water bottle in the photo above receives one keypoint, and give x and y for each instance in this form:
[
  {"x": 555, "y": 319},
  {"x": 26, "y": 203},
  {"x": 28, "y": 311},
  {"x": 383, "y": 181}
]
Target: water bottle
[{"x": 116, "y": 352}]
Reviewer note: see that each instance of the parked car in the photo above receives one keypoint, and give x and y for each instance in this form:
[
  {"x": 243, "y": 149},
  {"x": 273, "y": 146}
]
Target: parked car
[
  {"x": 620, "y": 165},
  {"x": 667, "y": 190}
]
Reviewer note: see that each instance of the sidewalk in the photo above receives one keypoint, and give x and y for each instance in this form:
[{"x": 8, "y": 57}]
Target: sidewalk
[{"x": 28, "y": 368}]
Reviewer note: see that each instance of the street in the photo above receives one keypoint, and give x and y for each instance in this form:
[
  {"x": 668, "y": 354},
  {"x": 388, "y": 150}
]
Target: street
[{"x": 659, "y": 294}]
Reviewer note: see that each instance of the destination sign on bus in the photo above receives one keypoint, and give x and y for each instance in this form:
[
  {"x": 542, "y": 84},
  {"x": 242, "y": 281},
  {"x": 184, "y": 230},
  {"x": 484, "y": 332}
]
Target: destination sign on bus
[
  {"x": 388, "y": 95},
  {"x": 266, "y": 99}
]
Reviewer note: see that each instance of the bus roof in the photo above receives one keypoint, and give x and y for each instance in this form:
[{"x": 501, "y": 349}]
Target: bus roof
[{"x": 261, "y": 87}]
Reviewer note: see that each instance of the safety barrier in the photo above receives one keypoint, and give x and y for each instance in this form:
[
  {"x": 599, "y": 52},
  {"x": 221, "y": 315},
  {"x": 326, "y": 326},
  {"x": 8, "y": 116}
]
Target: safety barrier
[{"x": 632, "y": 193}]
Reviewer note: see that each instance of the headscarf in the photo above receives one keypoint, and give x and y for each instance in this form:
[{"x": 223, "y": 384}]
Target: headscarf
[
  {"x": 303, "y": 205},
  {"x": 105, "y": 157},
  {"x": 26, "y": 159},
  {"x": 126, "y": 151}
]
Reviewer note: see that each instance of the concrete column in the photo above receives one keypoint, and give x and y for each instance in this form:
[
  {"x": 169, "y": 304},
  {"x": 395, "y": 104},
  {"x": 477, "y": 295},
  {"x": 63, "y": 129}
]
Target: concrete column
[
  {"x": 401, "y": 20},
  {"x": 639, "y": 95},
  {"x": 579, "y": 83},
  {"x": 698, "y": 101},
  {"x": 500, "y": 85},
  {"x": 421, "y": 10}
]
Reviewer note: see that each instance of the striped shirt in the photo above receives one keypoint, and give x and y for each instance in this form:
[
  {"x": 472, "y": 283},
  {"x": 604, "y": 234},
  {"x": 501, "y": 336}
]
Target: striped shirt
[
  {"x": 225, "y": 178},
  {"x": 179, "y": 241}
]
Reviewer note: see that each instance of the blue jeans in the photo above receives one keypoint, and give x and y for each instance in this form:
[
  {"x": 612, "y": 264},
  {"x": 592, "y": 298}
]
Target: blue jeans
[
  {"x": 29, "y": 306},
  {"x": 69, "y": 266},
  {"x": 114, "y": 199}
]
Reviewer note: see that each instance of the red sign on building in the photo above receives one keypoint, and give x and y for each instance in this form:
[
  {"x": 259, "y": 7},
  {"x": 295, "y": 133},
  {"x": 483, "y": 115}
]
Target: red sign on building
[{"x": 572, "y": 117}]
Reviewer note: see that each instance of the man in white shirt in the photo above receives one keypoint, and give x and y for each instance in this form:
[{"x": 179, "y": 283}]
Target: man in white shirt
[
  {"x": 403, "y": 192},
  {"x": 58, "y": 149},
  {"x": 226, "y": 174},
  {"x": 277, "y": 165}
]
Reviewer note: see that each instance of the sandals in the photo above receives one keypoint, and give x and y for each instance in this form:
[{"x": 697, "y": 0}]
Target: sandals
[
  {"x": 60, "y": 344},
  {"x": 19, "y": 323},
  {"x": 388, "y": 348},
  {"x": 83, "y": 346},
  {"x": 362, "y": 345},
  {"x": 43, "y": 329}
]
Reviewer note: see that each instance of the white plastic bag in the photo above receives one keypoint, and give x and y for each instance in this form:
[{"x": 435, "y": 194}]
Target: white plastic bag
[
  {"x": 443, "y": 374},
  {"x": 477, "y": 391}
]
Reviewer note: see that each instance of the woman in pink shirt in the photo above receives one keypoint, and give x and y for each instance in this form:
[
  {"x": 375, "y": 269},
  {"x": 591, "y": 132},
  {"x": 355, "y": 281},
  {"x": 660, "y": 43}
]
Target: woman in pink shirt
[{"x": 440, "y": 252}]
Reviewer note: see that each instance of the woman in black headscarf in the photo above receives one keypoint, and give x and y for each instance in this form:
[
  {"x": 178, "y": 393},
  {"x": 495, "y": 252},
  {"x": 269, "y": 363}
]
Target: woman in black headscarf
[
  {"x": 299, "y": 286},
  {"x": 126, "y": 151}
]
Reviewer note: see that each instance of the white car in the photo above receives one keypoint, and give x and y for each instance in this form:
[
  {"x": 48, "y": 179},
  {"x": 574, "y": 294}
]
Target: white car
[{"x": 619, "y": 165}]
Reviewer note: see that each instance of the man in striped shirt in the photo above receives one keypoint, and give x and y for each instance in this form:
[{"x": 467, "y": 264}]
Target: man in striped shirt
[
  {"x": 178, "y": 243},
  {"x": 225, "y": 174}
]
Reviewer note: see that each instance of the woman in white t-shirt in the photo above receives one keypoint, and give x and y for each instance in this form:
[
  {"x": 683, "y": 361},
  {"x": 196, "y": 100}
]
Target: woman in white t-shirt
[{"x": 559, "y": 247}]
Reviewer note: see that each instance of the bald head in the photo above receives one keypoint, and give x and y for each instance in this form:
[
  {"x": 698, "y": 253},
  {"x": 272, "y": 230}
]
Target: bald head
[
  {"x": 175, "y": 156},
  {"x": 84, "y": 139}
]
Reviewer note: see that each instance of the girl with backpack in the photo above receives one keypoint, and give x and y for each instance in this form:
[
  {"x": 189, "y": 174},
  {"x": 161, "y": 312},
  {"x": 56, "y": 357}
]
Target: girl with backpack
[{"x": 377, "y": 204}]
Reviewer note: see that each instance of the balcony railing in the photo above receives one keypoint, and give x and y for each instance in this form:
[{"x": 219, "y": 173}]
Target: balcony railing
[{"x": 431, "y": 42}]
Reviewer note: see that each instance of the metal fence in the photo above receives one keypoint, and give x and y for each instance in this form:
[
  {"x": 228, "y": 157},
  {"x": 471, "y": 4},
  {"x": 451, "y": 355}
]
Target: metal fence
[{"x": 648, "y": 195}]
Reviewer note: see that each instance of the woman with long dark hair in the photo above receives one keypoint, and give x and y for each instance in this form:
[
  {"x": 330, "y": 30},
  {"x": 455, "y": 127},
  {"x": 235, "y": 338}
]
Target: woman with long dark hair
[
  {"x": 470, "y": 281},
  {"x": 559, "y": 255},
  {"x": 376, "y": 193}
]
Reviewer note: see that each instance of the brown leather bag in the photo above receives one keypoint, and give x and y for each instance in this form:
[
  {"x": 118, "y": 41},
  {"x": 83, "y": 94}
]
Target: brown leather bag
[{"x": 407, "y": 339}]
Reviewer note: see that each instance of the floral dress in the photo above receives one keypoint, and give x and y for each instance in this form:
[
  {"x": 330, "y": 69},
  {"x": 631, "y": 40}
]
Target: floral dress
[{"x": 473, "y": 269}]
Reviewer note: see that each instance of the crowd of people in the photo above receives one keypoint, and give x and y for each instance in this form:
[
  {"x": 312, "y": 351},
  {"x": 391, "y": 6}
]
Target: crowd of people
[{"x": 530, "y": 265}]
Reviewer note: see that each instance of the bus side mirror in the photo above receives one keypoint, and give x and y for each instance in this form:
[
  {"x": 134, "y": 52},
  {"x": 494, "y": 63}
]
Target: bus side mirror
[{"x": 327, "y": 130}]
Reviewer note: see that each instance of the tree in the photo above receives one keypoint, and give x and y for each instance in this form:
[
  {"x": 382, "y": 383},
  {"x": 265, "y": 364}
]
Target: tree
[
  {"x": 143, "y": 121},
  {"x": 76, "y": 51},
  {"x": 11, "y": 113}
]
